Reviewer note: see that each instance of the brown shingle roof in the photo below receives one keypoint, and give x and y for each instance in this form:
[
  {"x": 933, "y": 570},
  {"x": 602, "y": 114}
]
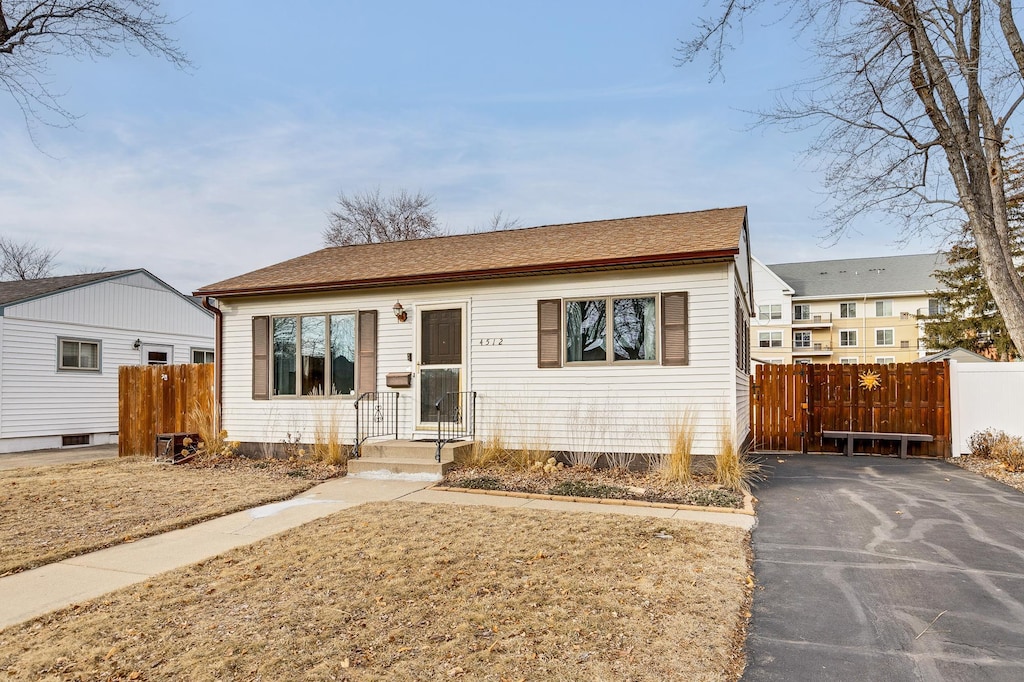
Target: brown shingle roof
[{"x": 659, "y": 239}]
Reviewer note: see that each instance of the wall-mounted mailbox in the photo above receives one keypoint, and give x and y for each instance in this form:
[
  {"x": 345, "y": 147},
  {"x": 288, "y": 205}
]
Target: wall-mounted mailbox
[{"x": 399, "y": 379}]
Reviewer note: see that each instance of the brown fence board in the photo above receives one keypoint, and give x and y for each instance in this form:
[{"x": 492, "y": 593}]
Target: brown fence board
[
  {"x": 156, "y": 399},
  {"x": 794, "y": 404}
]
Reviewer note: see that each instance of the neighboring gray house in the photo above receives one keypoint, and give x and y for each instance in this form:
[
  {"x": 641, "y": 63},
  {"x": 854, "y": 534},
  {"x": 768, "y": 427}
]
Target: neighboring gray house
[{"x": 62, "y": 340}]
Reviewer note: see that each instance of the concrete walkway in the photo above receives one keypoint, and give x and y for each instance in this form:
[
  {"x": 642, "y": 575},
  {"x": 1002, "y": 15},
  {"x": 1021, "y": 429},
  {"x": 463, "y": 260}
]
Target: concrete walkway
[
  {"x": 33, "y": 593},
  {"x": 42, "y": 458},
  {"x": 872, "y": 568}
]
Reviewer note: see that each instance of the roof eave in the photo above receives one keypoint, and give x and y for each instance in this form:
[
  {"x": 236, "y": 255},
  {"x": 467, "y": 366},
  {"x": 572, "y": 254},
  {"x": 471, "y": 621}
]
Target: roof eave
[{"x": 476, "y": 275}]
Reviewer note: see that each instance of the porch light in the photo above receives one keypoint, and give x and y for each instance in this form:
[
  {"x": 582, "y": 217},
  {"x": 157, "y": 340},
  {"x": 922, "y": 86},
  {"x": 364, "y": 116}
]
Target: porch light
[
  {"x": 400, "y": 313},
  {"x": 137, "y": 344}
]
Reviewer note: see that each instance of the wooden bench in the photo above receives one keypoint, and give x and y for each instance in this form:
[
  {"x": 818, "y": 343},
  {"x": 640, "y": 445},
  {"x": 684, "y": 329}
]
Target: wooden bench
[{"x": 903, "y": 438}]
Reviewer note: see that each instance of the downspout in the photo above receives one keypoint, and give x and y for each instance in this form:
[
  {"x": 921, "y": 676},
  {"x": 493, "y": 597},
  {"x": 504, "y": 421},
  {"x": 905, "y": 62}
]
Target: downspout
[
  {"x": 864, "y": 326},
  {"x": 217, "y": 367}
]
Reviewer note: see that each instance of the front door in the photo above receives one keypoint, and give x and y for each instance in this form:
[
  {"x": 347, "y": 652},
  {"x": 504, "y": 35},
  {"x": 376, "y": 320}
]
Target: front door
[{"x": 441, "y": 369}]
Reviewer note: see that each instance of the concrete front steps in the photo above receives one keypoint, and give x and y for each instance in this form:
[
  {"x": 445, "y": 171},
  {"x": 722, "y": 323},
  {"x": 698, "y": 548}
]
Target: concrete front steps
[{"x": 410, "y": 457}]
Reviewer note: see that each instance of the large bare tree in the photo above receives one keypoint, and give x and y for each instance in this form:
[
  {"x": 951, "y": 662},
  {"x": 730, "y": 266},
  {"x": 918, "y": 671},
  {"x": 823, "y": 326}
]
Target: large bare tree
[
  {"x": 25, "y": 260},
  {"x": 370, "y": 217},
  {"x": 912, "y": 105},
  {"x": 34, "y": 31}
]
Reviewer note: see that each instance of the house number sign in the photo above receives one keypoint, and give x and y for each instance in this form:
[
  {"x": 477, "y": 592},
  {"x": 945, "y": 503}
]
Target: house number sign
[{"x": 493, "y": 341}]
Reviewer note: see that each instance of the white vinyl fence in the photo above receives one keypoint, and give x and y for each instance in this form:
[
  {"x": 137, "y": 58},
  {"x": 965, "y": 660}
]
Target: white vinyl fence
[{"x": 985, "y": 395}]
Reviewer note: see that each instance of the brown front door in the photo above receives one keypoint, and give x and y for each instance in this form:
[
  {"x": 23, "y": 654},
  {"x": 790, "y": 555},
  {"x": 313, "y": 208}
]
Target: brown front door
[{"x": 440, "y": 363}]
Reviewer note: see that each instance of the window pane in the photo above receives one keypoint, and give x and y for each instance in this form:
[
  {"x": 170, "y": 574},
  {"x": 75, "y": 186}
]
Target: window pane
[
  {"x": 69, "y": 354},
  {"x": 314, "y": 355},
  {"x": 585, "y": 331},
  {"x": 435, "y": 385},
  {"x": 802, "y": 312},
  {"x": 89, "y": 355},
  {"x": 343, "y": 354},
  {"x": 883, "y": 308},
  {"x": 284, "y": 355},
  {"x": 633, "y": 328}
]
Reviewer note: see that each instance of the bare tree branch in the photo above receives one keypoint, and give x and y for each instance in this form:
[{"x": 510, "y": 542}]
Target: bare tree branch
[
  {"x": 33, "y": 31},
  {"x": 25, "y": 260},
  {"x": 369, "y": 218}
]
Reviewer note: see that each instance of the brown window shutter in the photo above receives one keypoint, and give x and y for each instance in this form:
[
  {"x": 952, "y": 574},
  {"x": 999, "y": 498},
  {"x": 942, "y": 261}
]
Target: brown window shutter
[
  {"x": 261, "y": 358},
  {"x": 675, "y": 327},
  {"x": 549, "y": 333},
  {"x": 366, "y": 372}
]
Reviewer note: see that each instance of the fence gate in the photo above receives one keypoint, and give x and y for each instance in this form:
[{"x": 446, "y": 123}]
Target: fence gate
[
  {"x": 156, "y": 399},
  {"x": 793, "y": 404}
]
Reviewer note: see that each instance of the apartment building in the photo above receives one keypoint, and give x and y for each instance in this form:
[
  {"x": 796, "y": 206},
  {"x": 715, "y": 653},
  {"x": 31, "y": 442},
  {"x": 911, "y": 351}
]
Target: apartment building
[{"x": 854, "y": 310}]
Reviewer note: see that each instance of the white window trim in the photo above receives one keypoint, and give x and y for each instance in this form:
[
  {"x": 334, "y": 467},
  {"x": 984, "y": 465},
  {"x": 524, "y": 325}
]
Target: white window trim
[
  {"x": 885, "y": 360},
  {"x": 849, "y": 361},
  {"x": 848, "y": 317},
  {"x": 891, "y": 306},
  {"x": 79, "y": 370},
  {"x": 608, "y": 331},
  {"x": 848, "y": 345},
  {"x": 802, "y": 333},
  {"x": 885, "y": 329},
  {"x": 801, "y": 305},
  {"x": 771, "y": 312}
]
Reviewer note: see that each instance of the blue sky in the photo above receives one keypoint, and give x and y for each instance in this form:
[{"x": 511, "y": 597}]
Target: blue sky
[{"x": 549, "y": 112}]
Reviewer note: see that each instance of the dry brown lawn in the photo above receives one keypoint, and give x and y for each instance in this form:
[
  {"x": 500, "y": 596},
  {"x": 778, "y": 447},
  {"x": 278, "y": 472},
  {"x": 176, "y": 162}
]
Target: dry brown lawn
[
  {"x": 51, "y": 513},
  {"x": 401, "y": 591}
]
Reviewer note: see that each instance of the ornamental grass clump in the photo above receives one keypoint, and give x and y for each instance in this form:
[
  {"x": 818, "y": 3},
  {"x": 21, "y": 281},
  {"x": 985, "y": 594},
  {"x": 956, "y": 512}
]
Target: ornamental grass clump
[
  {"x": 677, "y": 465},
  {"x": 327, "y": 446},
  {"x": 1009, "y": 450},
  {"x": 213, "y": 442},
  {"x": 733, "y": 468}
]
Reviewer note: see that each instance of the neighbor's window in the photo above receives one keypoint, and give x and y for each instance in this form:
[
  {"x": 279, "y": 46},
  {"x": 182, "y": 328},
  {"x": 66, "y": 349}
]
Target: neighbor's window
[
  {"x": 884, "y": 337},
  {"x": 769, "y": 339},
  {"x": 801, "y": 339},
  {"x": 847, "y": 361},
  {"x": 202, "y": 356},
  {"x": 632, "y": 328},
  {"x": 885, "y": 360},
  {"x": 848, "y": 337},
  {"x": 769, "y": 312},
  {"x": 848, "y": 309},
  {"x": 802, "y": 311},
  {"x": 78, "y": 354},
  {"x": 883, "y": 308},
  {"x": 302, "y": 363},
  {"x": 936, "y": 306}
]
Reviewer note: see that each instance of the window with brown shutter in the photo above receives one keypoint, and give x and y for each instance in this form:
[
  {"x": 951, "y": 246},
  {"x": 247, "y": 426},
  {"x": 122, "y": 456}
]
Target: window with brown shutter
[
  {"x": 261, "y": 358},
  {"x": 549, "y": 333},
  {"x": 675, "y": 329},
  {"x": 367, "y": 371}
]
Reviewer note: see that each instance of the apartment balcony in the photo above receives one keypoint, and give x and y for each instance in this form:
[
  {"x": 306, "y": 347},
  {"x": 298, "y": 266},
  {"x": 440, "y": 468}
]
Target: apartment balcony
[
  {"x": 813, "y": 350},
  {"x": 813, "y": 321}
]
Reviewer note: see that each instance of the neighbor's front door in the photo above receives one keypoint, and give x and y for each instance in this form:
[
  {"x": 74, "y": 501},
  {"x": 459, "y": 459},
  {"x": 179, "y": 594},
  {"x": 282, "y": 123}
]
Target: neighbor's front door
[{"x": 441, "y": 368}]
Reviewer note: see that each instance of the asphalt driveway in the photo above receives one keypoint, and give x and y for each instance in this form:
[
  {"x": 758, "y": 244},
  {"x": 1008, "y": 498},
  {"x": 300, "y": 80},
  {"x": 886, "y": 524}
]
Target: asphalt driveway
[{"x": 884, "y": 569}]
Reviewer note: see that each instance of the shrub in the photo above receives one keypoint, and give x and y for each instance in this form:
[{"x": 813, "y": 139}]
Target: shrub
[
  {"x": 1009, "y": 450},
  {"x": 981, "y": 443},
  {"x": 213, "y": 443}
]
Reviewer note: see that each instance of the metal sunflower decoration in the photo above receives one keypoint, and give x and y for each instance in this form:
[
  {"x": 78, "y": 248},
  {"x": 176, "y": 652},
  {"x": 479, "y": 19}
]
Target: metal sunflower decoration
[{"x": 870, "y": 380}]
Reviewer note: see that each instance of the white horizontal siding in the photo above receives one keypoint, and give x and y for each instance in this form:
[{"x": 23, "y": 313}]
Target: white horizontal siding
[
  {"x": 136, "y": 302},
  {"x": 625, "y": 408},
  {"x": 36, "y": 399}
]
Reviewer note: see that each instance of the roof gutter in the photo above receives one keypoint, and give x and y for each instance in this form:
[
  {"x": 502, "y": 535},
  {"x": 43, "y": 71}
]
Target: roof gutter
[
  {"x": 546, "y": 269},
  {"x": 218, "y": 372}
]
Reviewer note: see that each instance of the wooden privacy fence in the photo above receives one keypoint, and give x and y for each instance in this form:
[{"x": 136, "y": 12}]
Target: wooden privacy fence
[
  {"x": 154, "y": 399},
  {"x": 793, "y": 404}
]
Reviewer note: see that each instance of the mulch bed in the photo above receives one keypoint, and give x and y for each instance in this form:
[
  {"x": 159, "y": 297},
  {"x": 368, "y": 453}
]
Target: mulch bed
[
  {"x": 991, "y": 468},
  {"x": 597, "y": 483}
]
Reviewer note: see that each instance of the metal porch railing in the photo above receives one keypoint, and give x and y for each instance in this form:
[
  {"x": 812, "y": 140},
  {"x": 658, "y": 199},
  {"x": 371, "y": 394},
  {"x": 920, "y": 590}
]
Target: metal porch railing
[
  {"x": 376, "y": 416},
  {"x": 456, "y": 418}
]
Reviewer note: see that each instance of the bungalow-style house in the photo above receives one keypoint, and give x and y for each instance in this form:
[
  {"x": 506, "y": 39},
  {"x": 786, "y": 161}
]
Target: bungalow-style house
[
  {"x": 584, "y": 337},
  {"x": 62, "y": 340}
]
